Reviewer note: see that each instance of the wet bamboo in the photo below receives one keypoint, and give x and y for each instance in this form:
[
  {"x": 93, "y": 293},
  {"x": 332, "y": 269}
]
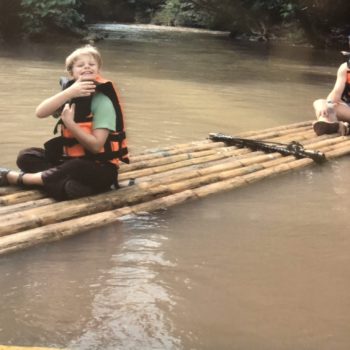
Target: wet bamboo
[
  {"x": 17, "y": 198},
  {"x": 244, "y": 134},
  {"x": 57, "y": 231},
  {"x": 155, "y": 174},
  {"x": 8, "y": 190},
  {"x": 306, "y": 123},
  {"x": 44, "y": 216},
  {"x": 153, "y": 159},
  {"x": 225, "y": 162},
  {"x": 230, "y": 152},
  {"x": 219, "y": 154},
  {"x": 209, "y": 167},
  {"x": 32, "y": 195},
  {"x": 25, "y": 205},
  {"x": 173, "y": 159},
  {"x": 200, "y": 146},
  {"x": 299, "y": 136},
  {"x": 338, "y": 150},
  {"x": 205, "y": 144},
  {"x": 75, "y": 226},
  {"x": 22, "y": 196}
]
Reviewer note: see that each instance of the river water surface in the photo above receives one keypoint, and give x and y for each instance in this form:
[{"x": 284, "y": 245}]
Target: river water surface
[{"x": 262, "y": 267}]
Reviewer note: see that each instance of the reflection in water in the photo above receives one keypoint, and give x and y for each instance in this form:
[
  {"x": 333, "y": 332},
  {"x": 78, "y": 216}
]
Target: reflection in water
[
  {"x": 130, "y": 311},
  {"x": 263, "y": 267}
]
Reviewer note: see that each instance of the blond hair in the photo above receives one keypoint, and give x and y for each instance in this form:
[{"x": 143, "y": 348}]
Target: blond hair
[{"x": 85, "y": 50}]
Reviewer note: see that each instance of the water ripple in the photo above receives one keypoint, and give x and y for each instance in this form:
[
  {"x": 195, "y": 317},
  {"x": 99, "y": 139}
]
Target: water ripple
[{"x": 132, "y": 310}]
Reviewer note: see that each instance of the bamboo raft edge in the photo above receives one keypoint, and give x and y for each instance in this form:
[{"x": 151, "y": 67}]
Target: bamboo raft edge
[{"x": 190, "y": 171}]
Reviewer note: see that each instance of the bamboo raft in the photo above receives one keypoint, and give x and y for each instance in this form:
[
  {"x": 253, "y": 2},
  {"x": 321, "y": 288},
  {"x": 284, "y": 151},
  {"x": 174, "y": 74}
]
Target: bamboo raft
[{"x": 156, "y": 179}]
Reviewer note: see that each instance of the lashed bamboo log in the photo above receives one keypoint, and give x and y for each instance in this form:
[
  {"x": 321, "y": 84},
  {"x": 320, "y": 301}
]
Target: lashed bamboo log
[
  {"x": 57, "y": 231},
  {"x": 8, "y": 190},
  {"x": 128, "y": 196},
  {"x": 71, "y": 227},
  {"x": 173, "y": 159},
  {"x": 219, "y": 154},
  {"x": 156, "y": 173},
  {"x": 18, "y": 197},
  {"x": 159, "y": 176},
  {"x": 206, "y": 144},
  {"x": 22, "y": 196},
  {"x": 207, "y": 147},
  {"x": 245, "y": 151},
  {"x": 25, "y": 205}
]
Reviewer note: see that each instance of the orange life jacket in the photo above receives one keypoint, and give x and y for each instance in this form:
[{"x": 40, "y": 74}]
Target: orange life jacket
[{"x": 115, "y": 148}]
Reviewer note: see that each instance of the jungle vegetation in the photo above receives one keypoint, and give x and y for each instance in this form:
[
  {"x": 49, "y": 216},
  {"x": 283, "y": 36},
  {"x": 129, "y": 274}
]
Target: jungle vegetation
[{"x": 319, "y": 22}]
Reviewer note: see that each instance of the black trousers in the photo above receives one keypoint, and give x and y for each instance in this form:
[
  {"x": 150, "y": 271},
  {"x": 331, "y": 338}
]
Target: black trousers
[{"x": 68, "y": 179}]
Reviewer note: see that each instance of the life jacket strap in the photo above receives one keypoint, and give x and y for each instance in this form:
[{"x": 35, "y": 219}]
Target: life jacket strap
[{"x": 109, "y": 155}]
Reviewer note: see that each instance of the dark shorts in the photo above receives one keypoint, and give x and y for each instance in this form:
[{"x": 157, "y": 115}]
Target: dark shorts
[{"x": 72, "y": 178}]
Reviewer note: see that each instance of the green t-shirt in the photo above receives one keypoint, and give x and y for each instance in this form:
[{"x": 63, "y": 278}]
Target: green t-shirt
[{"x": 103, "y": 112}]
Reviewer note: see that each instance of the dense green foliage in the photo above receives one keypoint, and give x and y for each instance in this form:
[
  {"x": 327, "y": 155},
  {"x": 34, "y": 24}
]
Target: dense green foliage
[
  {"x": 182, "y": 13},
  {"x": 52, "y": 15},
  {"x": 20, "y": 18},
  {"x": 108, "y": 10},
  {"x": 321, "y": 21}
]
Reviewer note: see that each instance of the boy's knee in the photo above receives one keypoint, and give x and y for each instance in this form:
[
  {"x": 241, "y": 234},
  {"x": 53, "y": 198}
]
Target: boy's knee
[
  {"x": 75, "y": 189},
  {"x": 32, "y": 160},
  {"x": 317, "y": 103},
  {"x": 23, "y": 158}
]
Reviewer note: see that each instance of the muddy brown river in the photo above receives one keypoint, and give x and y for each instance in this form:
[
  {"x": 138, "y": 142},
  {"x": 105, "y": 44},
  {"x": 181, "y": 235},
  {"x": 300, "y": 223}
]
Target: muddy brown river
[{"x": 264, "y": 267}]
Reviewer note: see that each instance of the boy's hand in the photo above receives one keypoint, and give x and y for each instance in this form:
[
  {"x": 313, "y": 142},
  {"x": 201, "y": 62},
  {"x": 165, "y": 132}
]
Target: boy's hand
[
  {"x": 82, "y": 88},
  {"x": 67, "y": 115}
]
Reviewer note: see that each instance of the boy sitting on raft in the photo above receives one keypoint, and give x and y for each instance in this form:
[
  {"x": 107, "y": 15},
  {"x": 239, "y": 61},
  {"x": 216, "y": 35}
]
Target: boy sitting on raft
[
  {"x": 84, "y": 159},
  {"x": 333, "y": 113}
]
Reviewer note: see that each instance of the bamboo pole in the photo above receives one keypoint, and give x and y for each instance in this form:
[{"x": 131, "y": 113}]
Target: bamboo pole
[
  {"x": 25, "y": 205},
  {"x": 160, "y": 153},
  {"x": 176, "y": 171},
  {"x": 128, "y": 196},
  {"x": 207, "y": 168},
  {"x": 184, "y": 163},
  {"x": 173, "y": 159},
  {"x": 141, "y": 162},
  {"x": 21, "y": 196},
  {"x": 57, "y": 231},
  {"x": 306, "y": 123},
  {"x": 155, "y": 174},
  {"x": 194, "y": 146},
  {"x": 205, "y": 144},
  {"x": 218, "y": 154},
  {"x": 8, "y": 190}
]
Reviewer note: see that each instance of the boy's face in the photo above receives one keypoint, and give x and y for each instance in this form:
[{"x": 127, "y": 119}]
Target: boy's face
[{"x": 85, "y": 67}]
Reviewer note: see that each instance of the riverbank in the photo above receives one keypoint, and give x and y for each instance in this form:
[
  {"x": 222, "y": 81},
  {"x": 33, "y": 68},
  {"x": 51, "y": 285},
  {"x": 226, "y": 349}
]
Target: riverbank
[{"x": 288, "y": 34}]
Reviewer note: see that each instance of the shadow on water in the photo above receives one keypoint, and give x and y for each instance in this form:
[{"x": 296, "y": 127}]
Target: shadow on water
[{"x": 262, "y": 267}]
